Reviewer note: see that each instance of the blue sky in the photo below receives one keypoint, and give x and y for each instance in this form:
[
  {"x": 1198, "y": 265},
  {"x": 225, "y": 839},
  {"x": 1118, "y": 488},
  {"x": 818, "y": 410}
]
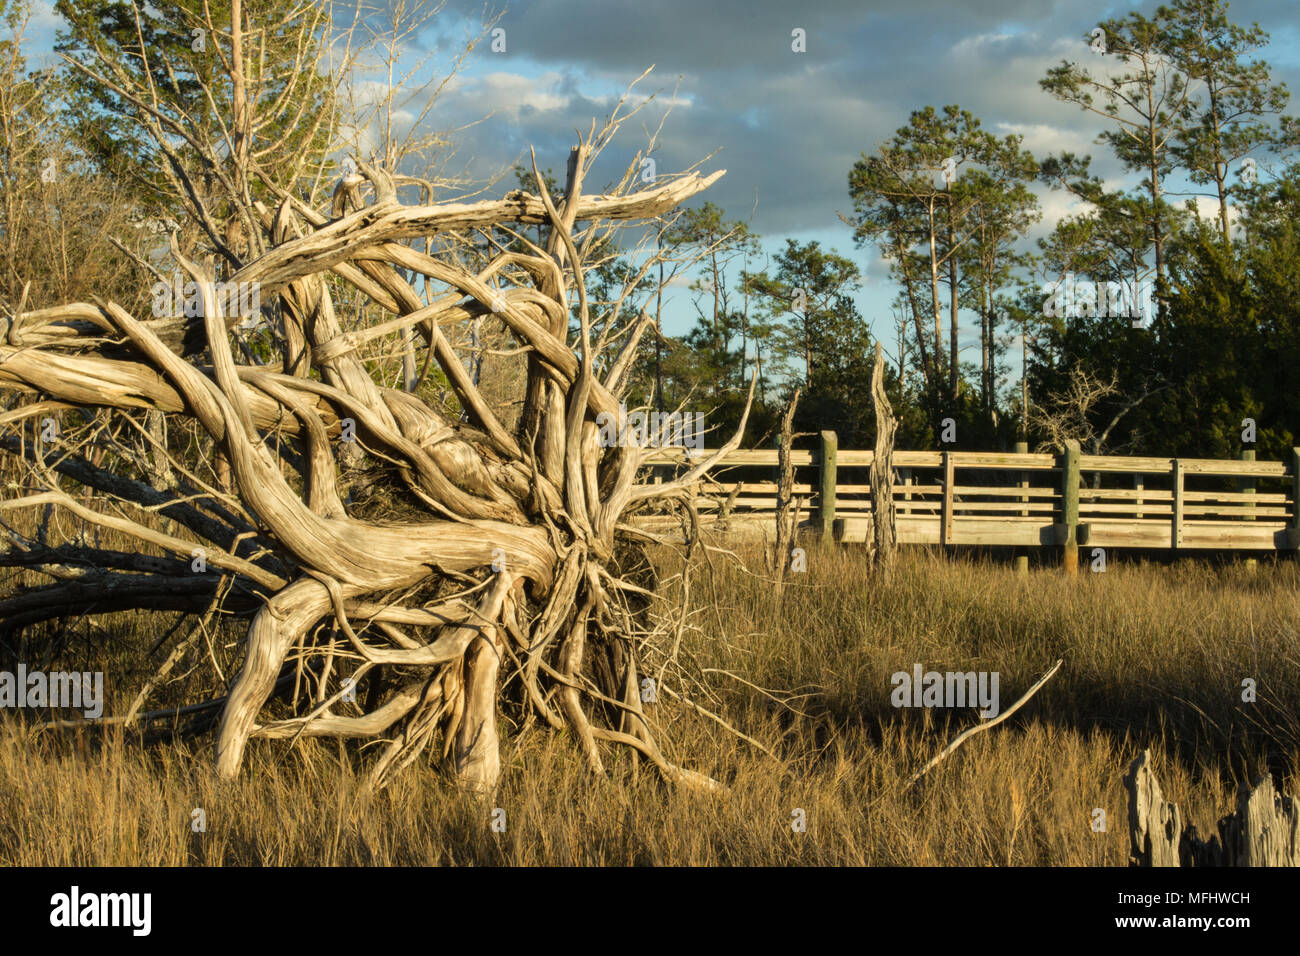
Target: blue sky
[{"x": 786, "y": 126}]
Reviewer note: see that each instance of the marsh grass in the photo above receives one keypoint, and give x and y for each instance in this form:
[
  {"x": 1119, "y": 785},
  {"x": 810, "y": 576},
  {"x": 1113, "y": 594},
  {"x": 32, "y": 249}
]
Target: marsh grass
[{"x": 1154, "y": 657}]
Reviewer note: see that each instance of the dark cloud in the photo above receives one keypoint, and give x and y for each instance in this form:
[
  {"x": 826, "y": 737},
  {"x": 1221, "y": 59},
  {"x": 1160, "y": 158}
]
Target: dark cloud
[
  {"x": 786, "y": 126},
  {"x": 790, "y": 125}
]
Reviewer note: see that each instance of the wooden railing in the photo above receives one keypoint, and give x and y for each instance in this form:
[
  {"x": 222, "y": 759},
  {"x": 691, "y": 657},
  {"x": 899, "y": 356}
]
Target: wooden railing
[{"x": 1026, "y": 500}]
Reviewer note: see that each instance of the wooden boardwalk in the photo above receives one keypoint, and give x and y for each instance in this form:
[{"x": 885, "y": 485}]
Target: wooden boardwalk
[{"x": 1020, "y": 500}]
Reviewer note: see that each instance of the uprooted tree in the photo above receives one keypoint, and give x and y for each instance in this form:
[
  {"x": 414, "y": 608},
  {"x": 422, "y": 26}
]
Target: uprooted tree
[{"x": 506, "y": 571}]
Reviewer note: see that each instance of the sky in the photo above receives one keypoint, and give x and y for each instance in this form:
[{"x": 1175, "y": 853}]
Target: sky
[{"x": 786, "y": 126}]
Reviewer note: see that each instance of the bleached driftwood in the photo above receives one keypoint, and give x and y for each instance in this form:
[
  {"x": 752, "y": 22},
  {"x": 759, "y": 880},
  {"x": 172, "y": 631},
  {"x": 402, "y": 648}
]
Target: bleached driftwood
[
  {"x": 512, "y": 563},
  {"x": 1263, "y": 831}
]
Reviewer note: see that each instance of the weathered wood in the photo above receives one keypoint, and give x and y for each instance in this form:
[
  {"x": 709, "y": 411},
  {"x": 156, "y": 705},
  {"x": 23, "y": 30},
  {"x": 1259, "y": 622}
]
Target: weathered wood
[
  {"x": 987, "y": 725},
  {"x": 1096, "y": 507},
  {"x": 827, "y": 478},
  {"x": 535, "y": 513},
  {"x": 1138, "y": 517},
  {"x": 1199, "y": 466},
  {"x": 753, "y": 456},
  {"x": 761, "y": 487},
  {"x": 927, "y": 530},
  {"x": 1138, "y": 495},
  {"x": 1110, "y": 464},
  {"x": 1022, "y": 560},
  {"x": 1176, "y": 536},
  {"x": 1011, "y": 492},
  {"x": 1251, "y": 497},
  {"x": 1293, "y": 532},
  {"x": 1155, "y": 826},
  {"x": 980, "y": 459},
  {"x": 1245, "y": 485},
  {"x": 1201, "y": 535},
  {"x": 843, "y": 489},
  {"x": 964, "y": 506},
  {"x": 883, "y": 521},
  {"x": 786, "y": 524},
  {"x": 1147, "y": 495},
  {"x": 1070, "y": 506},
  {"x": 948, "y": 482},
  {"x": 1264, "y": 830},
  {"x": 1243, "y": 512},
  {"x": 1226, "y": 468}
]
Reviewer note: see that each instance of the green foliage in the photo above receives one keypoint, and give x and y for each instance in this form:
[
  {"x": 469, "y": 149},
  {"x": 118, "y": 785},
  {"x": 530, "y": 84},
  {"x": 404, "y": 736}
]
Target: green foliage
[{"x": 152, "y": 100}]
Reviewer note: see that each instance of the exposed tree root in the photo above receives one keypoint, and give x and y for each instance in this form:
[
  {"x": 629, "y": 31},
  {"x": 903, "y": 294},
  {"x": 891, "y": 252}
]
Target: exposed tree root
[{"x": 506, "y": 589}]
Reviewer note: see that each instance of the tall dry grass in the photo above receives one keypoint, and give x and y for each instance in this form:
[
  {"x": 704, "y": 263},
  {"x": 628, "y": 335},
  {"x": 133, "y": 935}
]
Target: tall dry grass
[{"x": 1154, "y": 657}]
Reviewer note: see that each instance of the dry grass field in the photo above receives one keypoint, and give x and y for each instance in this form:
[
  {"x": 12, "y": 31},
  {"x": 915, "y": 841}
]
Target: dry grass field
[{"x": 1154, "y": 657}]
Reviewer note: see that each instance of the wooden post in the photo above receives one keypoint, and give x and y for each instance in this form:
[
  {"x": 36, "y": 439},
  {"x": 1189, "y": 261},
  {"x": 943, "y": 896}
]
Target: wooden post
[
  {"x": 1139, "y": 483},
  {"x": 1293, "y": 533},
  {"x": 1247, "y": 486},
  {"x": 1176, "y": 538},
  {"x": 826, "y": 491},
  {"x": 1070, "y": 506},
  {"x": 906, "y": 474},
  {"x": 945, "y": 520},
  {"x": 1022, "y": 560}
]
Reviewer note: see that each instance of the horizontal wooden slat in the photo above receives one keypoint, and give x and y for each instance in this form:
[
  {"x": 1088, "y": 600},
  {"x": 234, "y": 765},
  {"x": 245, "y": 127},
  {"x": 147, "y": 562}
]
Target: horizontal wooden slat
[
  {"x": 1242, "y": 510},
  {"x": 1260, "y": 498},
  {"x": 968, "y": 531},
  {"x": 1148, "y": 508},
  {"x": 1235, "y": 535},
  {"x": 1031, "y": 491},
  {"x": 1031, "y": 506},
  {"x": 859, "y": 458},
  {"x": 765, "y": 504},
  {"x": 1212, "y": 466},
  {"x": 755, "y": 487},
  {"x": 961, "y": 459},
  {"x": 1146, "y": 494},
  {"x": 979, "y": 459},
  {"x": 1198, "y": 466},
  {"x": 849, "y": 458},
  {"x": 1126, "y": 463}
]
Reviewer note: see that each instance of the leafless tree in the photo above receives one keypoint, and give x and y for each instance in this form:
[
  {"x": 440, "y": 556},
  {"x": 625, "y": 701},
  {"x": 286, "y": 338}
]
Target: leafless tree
[{"x": 488, "y": 565}]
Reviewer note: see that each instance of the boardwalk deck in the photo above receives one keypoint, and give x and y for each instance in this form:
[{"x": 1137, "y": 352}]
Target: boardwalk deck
[{"x": 1020, "y": 500}]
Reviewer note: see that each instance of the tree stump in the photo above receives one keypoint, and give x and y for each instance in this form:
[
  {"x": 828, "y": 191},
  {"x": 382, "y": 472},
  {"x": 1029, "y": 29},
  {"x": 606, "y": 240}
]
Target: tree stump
[{"x": 1263, "y": 831}]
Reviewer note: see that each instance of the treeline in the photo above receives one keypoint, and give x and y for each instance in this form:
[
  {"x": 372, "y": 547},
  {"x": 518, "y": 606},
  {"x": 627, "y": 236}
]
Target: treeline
[{"x": 1152, "y": 326}]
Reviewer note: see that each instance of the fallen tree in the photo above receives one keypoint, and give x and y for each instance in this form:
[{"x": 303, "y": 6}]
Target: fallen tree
[{"x": 509, "y": 567}]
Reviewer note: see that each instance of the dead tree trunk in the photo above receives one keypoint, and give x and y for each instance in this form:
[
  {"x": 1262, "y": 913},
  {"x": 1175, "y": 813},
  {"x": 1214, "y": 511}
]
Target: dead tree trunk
[
  {"x": 506, "y": 558},
  {"x": 884, "y": 527},
  {"x": 787, "y": 521}
]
